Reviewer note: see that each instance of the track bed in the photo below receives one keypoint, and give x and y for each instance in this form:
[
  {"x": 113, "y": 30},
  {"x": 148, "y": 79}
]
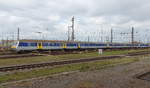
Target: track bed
[
  {"x": 38, "y": 65},
  {"x": 18, "y": 56}
]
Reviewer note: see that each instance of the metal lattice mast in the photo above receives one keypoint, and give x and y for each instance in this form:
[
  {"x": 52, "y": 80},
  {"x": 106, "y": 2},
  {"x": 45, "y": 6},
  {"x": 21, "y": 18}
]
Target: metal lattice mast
[
  {"x": 132, "y": 35},
  {"x": 73, "y": 35},
  {"x": 111, "y": 35}
]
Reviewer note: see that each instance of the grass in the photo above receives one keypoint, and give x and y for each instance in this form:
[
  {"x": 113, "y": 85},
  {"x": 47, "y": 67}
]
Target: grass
[
  {"x": 66, "y": 68},
  {"x": 28, "y": 60}
]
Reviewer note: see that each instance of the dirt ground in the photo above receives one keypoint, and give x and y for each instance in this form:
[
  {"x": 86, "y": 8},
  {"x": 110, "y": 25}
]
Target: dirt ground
[{"x": 122, "y": 76}]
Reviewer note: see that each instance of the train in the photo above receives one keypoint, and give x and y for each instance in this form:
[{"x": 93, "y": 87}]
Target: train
[{"x": 32, "y": 45}]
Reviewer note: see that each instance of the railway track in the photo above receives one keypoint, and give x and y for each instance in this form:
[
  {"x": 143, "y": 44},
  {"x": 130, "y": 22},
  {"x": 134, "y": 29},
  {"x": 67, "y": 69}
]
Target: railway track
[
  {"x": 145, "y": 76},
  {"x": 39, "y": 65},
  {"x": 18, "y": 56}
]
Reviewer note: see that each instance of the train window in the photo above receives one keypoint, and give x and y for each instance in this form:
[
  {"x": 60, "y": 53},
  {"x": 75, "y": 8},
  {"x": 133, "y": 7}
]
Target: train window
[
  {"x": 23, "y": 44},
  {"x": 75, "y": 44},
  {"x": 55, "y": 44},
  {"x": 110, "y": 44},
  {"x": 87, "y": 44},
  {"x": 129, "y": 44},
  {"x": 33, "y": 44},
  {"x": 45, "y": 44},
  {"x": 71, "y": 44},
  {"x": 58, "y": 44},
  {"x": 92, "y": 44},
  {"x": 105, "y": 44},
  {"x": 68, "y": 44},
  {"x": 84, "y": 44},
  {"x": 81, "y": 45},
  {"x": 143, "y": 45},
  {"x": 50, "y": 44}
]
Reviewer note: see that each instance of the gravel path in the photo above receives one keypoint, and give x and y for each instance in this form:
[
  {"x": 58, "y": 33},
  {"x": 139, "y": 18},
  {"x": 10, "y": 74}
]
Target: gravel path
[{"x": 122, "y": 76}]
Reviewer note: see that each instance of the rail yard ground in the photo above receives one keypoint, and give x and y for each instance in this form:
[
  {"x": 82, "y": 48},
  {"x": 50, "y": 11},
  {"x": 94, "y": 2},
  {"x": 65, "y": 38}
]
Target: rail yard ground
[
  {"x": 52, "y": 58},
  {"x": 113, "y": 73},
  {"x": 114, "y": 76}
]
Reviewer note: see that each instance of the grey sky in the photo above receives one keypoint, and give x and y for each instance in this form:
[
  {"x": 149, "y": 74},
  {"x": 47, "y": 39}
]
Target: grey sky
[{"x": 91, "y": 16}]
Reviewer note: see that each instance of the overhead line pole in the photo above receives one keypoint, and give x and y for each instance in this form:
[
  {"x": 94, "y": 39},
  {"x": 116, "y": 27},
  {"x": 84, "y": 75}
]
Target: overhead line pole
[
  {"x": 73, "y": 35},
  {"x": 68, "y": 33},
  {"x": 111, "y": 35},
  {"x": 18, "y": 34},
  {"x": 88, "y": 38},
  {"x": 132, "y": 35}
]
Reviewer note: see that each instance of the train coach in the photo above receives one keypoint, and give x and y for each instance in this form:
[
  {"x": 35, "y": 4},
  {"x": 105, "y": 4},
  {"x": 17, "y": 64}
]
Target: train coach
[{"x": 32, "y": 45}]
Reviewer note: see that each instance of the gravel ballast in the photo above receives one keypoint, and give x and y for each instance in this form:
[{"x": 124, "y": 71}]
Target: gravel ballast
[{"x": 121, "y": 76}]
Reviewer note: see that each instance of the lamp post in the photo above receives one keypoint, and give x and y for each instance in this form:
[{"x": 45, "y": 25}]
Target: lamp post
[{"x": 40, "y": 34}]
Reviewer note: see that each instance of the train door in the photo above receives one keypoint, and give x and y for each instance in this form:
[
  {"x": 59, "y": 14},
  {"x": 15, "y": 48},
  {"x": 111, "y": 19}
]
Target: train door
[
  {"x": 39, "y": 45},
  {"x": 107, "y": 45},
  {"x": 64, "y": 45},
  {"x": 78, "y": 45}
]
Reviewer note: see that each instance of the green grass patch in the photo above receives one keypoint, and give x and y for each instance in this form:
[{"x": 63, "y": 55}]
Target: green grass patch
[
  {"x": 28, "y": 60},
  {"x": 66, "y": 68}
]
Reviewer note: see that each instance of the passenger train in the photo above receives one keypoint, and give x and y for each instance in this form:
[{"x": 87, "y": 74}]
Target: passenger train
[{"x": 31, "y": 45}]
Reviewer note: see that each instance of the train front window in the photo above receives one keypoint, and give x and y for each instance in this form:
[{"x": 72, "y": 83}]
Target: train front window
[{"x": 40, "y": 44}]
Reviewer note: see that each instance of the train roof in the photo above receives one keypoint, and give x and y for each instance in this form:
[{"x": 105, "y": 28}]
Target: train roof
[
  {"x": 28, "y": 40},
  {"x": 25, "y": 40}
]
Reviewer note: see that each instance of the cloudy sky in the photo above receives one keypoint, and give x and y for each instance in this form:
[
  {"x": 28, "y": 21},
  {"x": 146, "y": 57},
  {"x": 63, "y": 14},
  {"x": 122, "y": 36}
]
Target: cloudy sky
[{"x": 93, "y": 18}]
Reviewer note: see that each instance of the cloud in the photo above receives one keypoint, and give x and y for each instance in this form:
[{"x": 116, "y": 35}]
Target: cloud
[{"x": 53, "y": 16}]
